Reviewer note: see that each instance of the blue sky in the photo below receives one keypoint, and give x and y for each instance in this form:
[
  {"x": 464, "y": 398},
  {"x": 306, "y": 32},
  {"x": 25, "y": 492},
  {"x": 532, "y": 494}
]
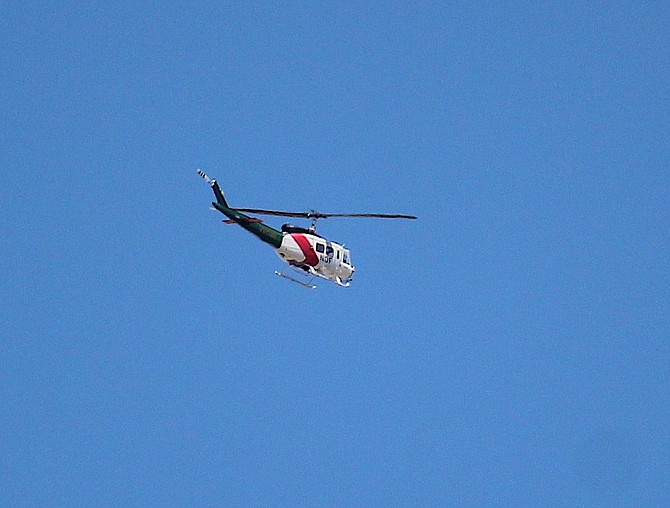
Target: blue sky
[{"x": 509, "y": 348}]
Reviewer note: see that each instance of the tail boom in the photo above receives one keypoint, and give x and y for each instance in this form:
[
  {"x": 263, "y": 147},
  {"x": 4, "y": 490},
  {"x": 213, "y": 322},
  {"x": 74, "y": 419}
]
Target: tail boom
[{"x": 264, "y": 233}]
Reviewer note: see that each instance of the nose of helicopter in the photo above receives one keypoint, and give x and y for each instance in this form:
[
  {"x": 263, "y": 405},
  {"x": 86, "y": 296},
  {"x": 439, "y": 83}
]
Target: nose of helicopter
[{"x": 347, "y": 276}]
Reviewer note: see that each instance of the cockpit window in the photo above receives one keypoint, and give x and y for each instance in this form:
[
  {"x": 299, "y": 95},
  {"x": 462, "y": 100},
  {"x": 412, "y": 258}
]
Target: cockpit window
[{"x": 345, "y": 258}]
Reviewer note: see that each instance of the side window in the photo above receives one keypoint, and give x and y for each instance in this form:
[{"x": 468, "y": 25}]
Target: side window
[
  {"x": 329, "y": 251},
  {"x": 319, "y": 247}
]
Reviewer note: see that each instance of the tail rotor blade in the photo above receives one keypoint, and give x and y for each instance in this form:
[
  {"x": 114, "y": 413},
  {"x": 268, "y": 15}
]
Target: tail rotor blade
[{"x": 204, "y": 176}]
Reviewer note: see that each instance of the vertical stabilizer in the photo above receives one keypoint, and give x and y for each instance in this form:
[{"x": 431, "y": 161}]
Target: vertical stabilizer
[{"x": 215, "y": 187}]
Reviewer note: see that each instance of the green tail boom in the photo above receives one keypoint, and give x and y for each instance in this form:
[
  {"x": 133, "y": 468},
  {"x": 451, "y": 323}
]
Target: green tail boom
[{"x": 264, "y": 233}]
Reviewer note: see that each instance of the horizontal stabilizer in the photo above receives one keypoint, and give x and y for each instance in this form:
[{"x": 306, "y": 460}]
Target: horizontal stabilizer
[{"x": 245, "y": 219}]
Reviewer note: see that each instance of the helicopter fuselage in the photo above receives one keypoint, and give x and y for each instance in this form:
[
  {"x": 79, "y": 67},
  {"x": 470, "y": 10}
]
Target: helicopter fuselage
[
  {"x": 299, "y": 247},
  {"x": 317, "y": 256}
]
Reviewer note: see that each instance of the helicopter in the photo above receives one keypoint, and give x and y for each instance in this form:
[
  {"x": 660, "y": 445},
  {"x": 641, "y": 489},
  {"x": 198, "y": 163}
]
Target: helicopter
[{"x": 303, "y": 249}]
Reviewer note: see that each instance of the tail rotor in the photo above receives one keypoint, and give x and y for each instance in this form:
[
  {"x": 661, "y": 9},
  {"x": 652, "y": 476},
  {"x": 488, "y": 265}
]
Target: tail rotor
[{"x": 204, "y": 176}]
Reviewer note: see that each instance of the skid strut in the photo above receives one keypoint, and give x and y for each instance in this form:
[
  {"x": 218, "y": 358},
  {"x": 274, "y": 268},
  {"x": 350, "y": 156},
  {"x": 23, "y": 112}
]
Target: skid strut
[{"x": 301, "y": 283}]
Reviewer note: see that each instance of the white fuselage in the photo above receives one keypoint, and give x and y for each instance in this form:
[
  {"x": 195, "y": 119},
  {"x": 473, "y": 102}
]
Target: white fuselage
[{"x": 317, "y": 255}]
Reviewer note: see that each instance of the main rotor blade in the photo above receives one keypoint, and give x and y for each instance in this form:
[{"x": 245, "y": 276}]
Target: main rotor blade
[
  {"x": 279, "y": 213},
  {"x": 372, "y": 215},
  {"x": 318, "y": 215}
]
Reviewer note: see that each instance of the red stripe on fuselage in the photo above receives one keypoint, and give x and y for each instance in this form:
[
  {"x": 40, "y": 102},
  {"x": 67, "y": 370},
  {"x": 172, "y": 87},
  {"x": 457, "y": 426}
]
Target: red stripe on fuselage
[{"x": 310, "y": 256}]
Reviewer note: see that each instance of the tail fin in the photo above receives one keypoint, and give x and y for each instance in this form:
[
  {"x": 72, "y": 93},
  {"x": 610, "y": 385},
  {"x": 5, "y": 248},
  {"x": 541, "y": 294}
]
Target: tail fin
[{"x": 215, "y": 187}]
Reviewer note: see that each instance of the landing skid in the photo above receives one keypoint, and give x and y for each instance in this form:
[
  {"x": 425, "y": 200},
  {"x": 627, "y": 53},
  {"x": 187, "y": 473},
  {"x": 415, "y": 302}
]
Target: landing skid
[{"x": 299, "y": 282}]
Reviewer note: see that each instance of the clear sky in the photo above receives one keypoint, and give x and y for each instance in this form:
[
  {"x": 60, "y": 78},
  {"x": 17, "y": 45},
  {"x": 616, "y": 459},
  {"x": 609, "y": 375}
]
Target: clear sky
[{"x": 509, "y": 348}]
